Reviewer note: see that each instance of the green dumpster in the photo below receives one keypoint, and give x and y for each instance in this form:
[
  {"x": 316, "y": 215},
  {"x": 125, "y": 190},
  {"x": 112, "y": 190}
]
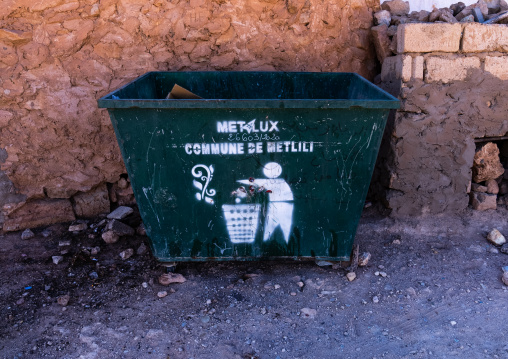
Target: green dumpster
[{"x": 266, "y": 165}]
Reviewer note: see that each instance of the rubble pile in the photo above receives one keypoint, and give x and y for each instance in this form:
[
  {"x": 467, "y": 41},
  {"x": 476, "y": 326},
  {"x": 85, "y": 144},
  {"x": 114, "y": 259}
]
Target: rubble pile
[
  {"x": 396, "y": 12},
  {"x": 489, "y": 187}
]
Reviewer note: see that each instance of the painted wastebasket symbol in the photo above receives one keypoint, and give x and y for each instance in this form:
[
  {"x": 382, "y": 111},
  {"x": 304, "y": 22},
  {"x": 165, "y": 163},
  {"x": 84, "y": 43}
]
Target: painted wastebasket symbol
[{"x": 270, "y": 196}]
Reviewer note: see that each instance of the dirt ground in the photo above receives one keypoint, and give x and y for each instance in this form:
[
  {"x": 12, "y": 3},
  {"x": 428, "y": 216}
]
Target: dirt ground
[{"x": 442, "y": 297}]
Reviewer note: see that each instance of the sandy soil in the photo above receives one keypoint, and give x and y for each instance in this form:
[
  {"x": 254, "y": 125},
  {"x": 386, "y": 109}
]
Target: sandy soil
[{"x": 442, "y": 297}]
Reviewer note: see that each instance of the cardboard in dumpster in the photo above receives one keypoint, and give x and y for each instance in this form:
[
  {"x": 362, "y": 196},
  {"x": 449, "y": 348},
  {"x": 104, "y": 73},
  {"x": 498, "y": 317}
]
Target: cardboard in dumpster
[{"x": 180, "y": 93}]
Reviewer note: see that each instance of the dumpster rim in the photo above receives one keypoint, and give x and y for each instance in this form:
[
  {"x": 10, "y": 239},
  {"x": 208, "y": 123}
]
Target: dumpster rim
[
  {"x": 390, "y": 102},
  {"x": 218, "y": 104}
]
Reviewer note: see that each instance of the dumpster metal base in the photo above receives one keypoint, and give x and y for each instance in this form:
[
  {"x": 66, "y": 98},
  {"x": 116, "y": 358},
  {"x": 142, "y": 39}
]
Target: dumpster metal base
[
  {"x": 265, "y": 166},
  {"x": 245, "y": 259}
]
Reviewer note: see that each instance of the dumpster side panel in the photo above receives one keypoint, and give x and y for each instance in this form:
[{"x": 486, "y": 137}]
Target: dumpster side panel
[{"x": 247, "y": 184}]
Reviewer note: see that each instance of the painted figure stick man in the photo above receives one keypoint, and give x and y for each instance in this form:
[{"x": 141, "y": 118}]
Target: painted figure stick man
[{"x": 280, "y": 197}]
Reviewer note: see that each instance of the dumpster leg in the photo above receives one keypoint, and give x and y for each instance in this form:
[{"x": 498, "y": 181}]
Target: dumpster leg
[
  {"x": 352, "y": 264},
  {"x": 354, "y": 258},
  {"x": 169, "y": 266}
]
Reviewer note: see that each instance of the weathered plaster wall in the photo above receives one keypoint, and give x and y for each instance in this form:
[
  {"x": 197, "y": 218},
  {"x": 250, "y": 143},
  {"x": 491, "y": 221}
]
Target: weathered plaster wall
[
  {"x": 57, "y": 57},
  {"x": 452, "y": 90}
]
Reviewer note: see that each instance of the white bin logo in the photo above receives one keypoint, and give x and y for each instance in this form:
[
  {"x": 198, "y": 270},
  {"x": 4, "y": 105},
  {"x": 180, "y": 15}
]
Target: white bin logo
[{"x": 242, "y": 219}]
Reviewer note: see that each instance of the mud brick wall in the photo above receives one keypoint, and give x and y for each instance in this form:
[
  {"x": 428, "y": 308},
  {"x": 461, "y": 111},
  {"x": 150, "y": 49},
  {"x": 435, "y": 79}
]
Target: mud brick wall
[
  {"x": 452, "y": 80},
  {"x": 58, "y": 57}
]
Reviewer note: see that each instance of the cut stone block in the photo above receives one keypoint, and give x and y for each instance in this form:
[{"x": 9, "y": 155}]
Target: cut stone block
[
  {"x": 417, "y": 69},
  {"x": 482, "y": 38},
  {"x": 497, "y": 66},
  {"x": 483, "y": 201},
  {"x": 448, "y": 70},
  {"x": 396, "y": 68},
  {"x": 92, "y": 203},
  {"x": 428, "y": 37},
  {"x": 381, "y": 42},
  {"x": 39, "y": 213}
]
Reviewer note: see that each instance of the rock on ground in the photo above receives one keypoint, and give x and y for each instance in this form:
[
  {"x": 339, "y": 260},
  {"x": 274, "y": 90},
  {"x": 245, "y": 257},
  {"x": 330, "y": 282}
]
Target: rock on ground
[
  {"x": 110, "y": 237},
  {"x": 120, "y": 213},
  {"x": 27, "y": 234},
  {"x": 126, "y": 254},
  {"x": 496, "y": 237},
  {"x": 169, "y": 278}
]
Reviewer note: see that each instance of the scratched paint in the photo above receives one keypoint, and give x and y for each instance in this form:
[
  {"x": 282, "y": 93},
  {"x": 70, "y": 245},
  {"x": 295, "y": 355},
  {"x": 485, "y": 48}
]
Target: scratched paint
[{"x": 260, "y": 182}]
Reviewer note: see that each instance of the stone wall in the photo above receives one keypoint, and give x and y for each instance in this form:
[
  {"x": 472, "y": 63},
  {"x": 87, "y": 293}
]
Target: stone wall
[
  {"x": 58, "y": 57},
  {"x": 452, "y": 80}
]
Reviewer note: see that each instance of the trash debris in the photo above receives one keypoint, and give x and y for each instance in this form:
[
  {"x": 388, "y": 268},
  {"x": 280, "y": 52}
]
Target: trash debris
[
  {"x": 324, "y": 263},
  {"x": 126, "y": 254},
  {"x": 27, "y": 234},
  {"x": 308, "y": 313},
  {"x": 364, "y": 258},
  {"x": 57, "y": 259},
  {"x": 120, "y": 213},
  {"x": 63, "y": 300},
  {"x": 496, "y": 237},
  {"x": 375, "y": 299},
  {"x": 500, "y": 17},
  {"x": 180, "y": 93},
  {"x": 110, "y": 237},
  {"x": 169, "y": 278},
  {"x": 351, "y": 276},
  {"x": 77, "y": 227}
]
